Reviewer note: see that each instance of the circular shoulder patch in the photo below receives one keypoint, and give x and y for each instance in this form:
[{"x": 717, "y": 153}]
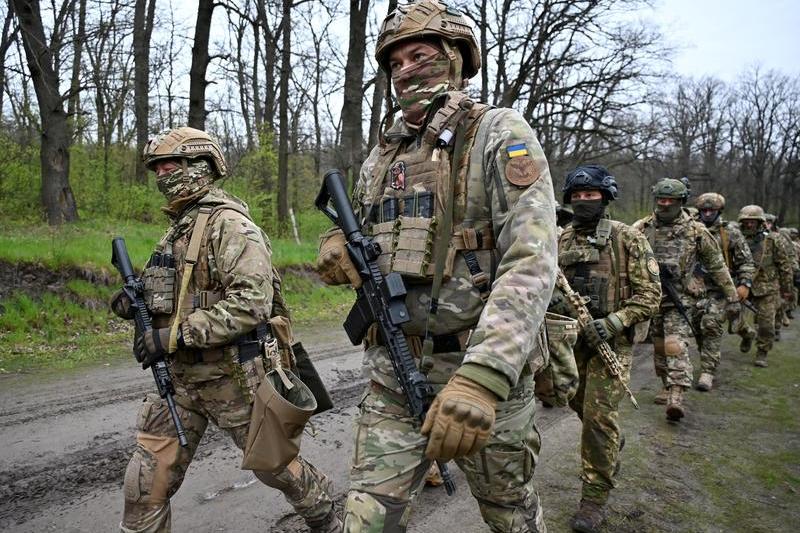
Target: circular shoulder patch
[
  {"x": 652, "y": 266},
  {"x": 521, "y": 171}
]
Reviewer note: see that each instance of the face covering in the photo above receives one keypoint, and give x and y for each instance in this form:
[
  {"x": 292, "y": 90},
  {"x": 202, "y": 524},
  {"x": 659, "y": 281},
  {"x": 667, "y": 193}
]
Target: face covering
[
  {"x": 709, "y": 221},
  {"x": 667, "y": 213},
  {"x": 588, "y": 212},
  {"x": 181, "y": 188},
  {"x": 418, "y": 85},
  {"x": 750, "y": 231}
]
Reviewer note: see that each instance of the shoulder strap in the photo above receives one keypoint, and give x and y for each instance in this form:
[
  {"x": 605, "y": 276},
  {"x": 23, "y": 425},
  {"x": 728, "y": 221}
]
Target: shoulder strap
[
  {"x": 724, "y": 239},
  {"x": 602, "y": 233},
  {"x": 190, "y": 260}
]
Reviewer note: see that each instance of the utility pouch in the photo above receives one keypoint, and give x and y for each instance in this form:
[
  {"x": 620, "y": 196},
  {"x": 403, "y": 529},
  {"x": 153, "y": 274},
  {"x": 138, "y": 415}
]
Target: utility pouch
[
  {"x": 414, "y": 247},
  {"x": 282, "y": 406},
  {"x": 159, "y": 289},
  {"x": 282, "y": 331},
  {"x": 557, "y": 381},
  {"x": 383, "y": 233}
]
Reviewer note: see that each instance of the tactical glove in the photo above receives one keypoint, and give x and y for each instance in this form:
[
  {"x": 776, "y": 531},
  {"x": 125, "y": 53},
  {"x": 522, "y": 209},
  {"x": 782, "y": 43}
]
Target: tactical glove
[
  {"x": 121, "y": 305},
  {"x": 743, "y": 292},
  {"x": 460, "y": 420},
  {"x": 333, "y": 263},
  {"x": 732, "y": 310},
  {"x": 152, "y": 345},
  {"x": 602, "y": 329}
]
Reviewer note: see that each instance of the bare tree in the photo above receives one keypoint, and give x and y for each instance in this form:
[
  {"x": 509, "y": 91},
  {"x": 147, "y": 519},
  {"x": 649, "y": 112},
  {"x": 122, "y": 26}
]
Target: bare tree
[
  {"x": 352, "y": 136},
  {"x": 144, "y": 14},
  {"x": 57, "y": 197},
  {"x": 200, "y": 61}
]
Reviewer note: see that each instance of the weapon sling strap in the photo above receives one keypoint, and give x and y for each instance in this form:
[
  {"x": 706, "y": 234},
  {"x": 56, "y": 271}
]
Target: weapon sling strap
[
  {"x": 191, "y": 259},
  {"x": 446, "y": 228}
]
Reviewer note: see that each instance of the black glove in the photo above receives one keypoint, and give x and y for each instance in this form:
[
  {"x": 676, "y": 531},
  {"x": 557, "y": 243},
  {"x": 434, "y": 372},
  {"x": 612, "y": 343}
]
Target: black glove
[
  {"x": 797, "y": 279},
  {"x": 151, "y": 345},
  {"x": 602, "y": 329}
]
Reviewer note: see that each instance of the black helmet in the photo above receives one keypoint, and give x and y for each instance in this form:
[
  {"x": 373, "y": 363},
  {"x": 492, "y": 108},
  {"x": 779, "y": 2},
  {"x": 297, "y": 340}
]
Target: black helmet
[{"x": 590, "y": 177}]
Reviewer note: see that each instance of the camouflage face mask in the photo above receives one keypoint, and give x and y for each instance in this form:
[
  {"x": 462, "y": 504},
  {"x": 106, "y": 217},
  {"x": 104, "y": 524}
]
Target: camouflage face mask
[
  {"x": 181, "y": 184},
  {"x": 667, "y": 213},
  {"x": 418, "y": 85}
]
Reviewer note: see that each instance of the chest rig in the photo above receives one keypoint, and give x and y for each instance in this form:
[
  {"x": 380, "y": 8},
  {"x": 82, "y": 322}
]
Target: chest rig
[
  {"x": 596, "y": 266},
  {"x": 675, "y": 248},
  {"x": 418, "y": 191}
]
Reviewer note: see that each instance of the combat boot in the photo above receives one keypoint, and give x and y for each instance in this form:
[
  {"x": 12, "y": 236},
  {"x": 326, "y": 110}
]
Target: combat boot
[
  {"x": 786, "y": 322},
  {"x": 705, "y": 382},
  {"x": 330, "y": 523},
  {"x": 789, "y": 315},
  {"x": 675, "y": 410},
  {"x": 746, "y": 344},
  {"x": 761, "y": 359},
  {"x": 777, "y": 335},
  {"x": 589, "y": 518},
  {"x": 662, "y": 396}
]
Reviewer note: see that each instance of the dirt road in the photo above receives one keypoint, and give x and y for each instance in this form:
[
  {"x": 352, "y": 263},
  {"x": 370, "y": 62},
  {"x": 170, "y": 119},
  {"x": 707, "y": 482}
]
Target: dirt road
[{"x": 65, "y": 441}]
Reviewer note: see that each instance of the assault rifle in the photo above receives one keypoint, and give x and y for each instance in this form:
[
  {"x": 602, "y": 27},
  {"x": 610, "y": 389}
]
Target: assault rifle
[
  {"x": 585, "y": 318},
  {"x": 134, "y": 289},
  {"x": 381, "y": 300},
  {"x": 668, "y": 288}
]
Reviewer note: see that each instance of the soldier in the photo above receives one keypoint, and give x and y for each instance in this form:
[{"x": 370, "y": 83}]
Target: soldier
[
  {"x": 679, "y": 242},
  {"x": 612, "y": 264},
  {"x": 737, "y": 258},
  {"x": 230, "y": 295},
  {"x": 496, "y": 264},
  {"x": 772, "y": 280},
  {"x": 785, "y": 308}
]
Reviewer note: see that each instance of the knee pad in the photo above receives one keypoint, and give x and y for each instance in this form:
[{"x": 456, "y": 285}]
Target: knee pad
[
  {"x": 673, "y": 347},
  {"x": 150, "y": 477},
  {"x": 372, "y": 512},
  {"x": 146, "y": 518}
]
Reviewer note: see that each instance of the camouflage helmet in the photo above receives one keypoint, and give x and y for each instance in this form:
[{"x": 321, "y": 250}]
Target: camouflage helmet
[
  {"x": 710, "y": 200},
  {"x": 185, "y": 143},
  {"x": 429, "y": 19},
  {"x": 595, "y": 177},
  {"x": 769, "y": 217},
  {"x": 670, "y": 188},
  {"x": 752, "y": 212}
]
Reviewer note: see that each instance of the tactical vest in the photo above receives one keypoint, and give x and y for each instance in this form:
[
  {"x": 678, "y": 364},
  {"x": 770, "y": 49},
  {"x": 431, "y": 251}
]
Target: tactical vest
[
  {"x": 675, "y": 248},
  {"x": 407, "y": 195},
  {"x": 765, "y": 279},
  {"x": 596, "y": 267}
]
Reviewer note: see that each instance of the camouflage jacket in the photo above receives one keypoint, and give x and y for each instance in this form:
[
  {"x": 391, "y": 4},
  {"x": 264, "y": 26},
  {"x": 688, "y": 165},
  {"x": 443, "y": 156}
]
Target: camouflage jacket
[
  {"x": 623, "y": 271},
  {"x": 773, "y": 265},
  {"x": 231, "y": 289},
  {"x": 791, "y": 251},
  {"x": 505, "y": 205},
  {"x": 679, "y": 246},
  {"x": 735, "y": 251}
]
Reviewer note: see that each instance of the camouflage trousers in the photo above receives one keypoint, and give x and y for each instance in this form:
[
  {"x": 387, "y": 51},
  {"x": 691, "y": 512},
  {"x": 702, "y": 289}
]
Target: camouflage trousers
[
  {"x": 389, "y": 465},
  {"x": 671, "y": 333},
  {"x": 204, "y": 392},
  {"x": 597, "y": 404},
  {"x": 709, "y": 319},
  {"x": 764, "y": 330}
]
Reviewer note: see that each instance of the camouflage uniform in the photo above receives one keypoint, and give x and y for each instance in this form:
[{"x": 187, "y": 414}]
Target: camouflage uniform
[
  {"x": 498, "y": 278},
  {"x": 786, "y": 307},
  {"x": 773, "y": 278},
  {"x": 678, "y": 246},
  {"x": 230, "y": 293},
  {"x": 709, "y": 318},
  {"x": 624, "y": 281}
]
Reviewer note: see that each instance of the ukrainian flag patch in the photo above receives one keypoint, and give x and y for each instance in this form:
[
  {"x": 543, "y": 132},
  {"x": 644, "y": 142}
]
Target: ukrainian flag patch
[{"x": 517, "y": 150}]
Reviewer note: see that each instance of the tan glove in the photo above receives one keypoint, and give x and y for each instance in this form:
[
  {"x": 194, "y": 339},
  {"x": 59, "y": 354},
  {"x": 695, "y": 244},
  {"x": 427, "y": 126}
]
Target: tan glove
[
  {"x": 460, "y": 420},
  {"x": 121, "y": 305},
  {"x": 333, "y": 263},
  {"x": 743, "y": 291}
]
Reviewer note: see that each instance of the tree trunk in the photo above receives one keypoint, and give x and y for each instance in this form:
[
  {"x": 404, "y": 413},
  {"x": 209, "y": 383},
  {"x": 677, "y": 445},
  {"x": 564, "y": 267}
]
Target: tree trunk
[
  {"x": 57, "y": 197},
  {"x": 200, "y": 60},
  {"x": 142, "y": 30},
  {"x": 74, "y": 104},
  {"x": 351, "y": 143},
  {"x": 5, "y": 44},
  {"x": 283, "y": 114},
  {"x": 380, "y": 98}
]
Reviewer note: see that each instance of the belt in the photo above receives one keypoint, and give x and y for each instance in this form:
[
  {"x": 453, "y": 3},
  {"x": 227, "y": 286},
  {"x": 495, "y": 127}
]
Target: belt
[
  {"x": 248, "y": 346},
  {"x": 449, "y": 342}
]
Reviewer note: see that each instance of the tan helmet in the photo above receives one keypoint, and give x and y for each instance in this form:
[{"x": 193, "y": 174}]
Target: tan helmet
[
  {"x": 710, "y": 200},
  {"x": 752, "y": 212},
  {"x": 185, "y": 143},
  {"x": 769, "y": 217},
  {"x": 429, "y": 18}
]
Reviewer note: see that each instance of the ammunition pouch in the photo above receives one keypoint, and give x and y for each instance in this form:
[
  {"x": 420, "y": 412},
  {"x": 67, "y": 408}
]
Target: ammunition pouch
[
  {"x": 159, "y": 289},
  {"x": 414, "y": 247}
]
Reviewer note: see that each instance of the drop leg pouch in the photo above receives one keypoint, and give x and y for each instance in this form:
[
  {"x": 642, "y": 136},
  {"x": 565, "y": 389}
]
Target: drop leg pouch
[{"x": 282, "y": 406}]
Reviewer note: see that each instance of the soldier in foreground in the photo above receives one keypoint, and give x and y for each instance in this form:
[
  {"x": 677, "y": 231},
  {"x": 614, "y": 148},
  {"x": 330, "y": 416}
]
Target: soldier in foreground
[
  {"x": 679, "y": 243},
  {"x": 491, "y": 272},
  {"x": 739, "y": 262},
  {"x": 771, "y": 283},
  {"x": 230, "y": 296},
  {"x": 613, "y": 265}
]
